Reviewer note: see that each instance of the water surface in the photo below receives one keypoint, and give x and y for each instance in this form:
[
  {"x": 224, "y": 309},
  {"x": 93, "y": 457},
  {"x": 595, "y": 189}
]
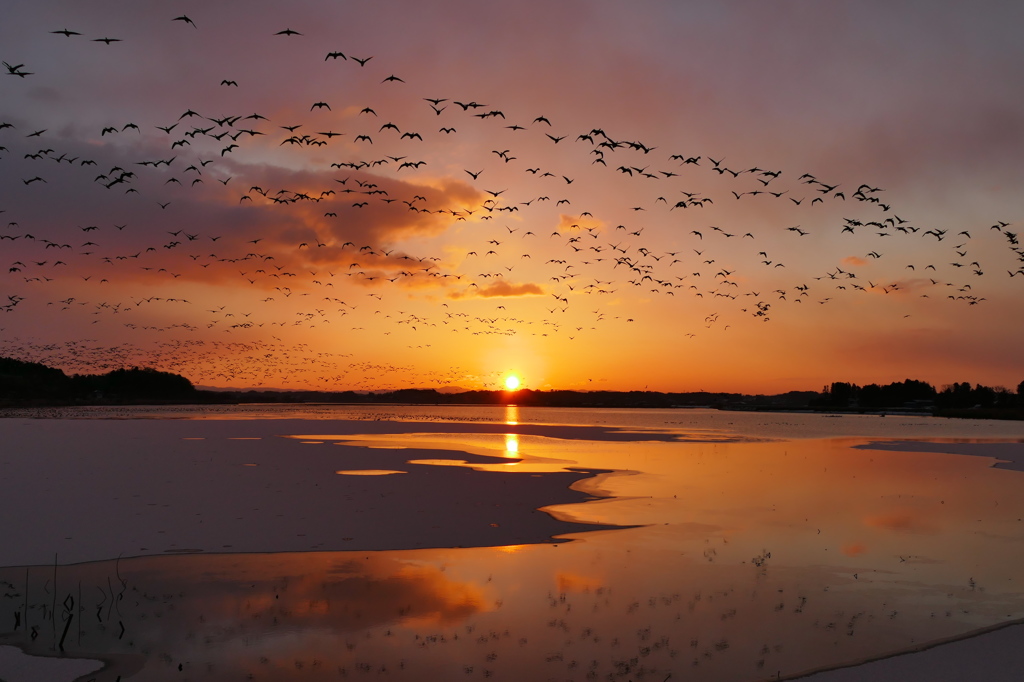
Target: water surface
[{"x": 715, "y": 546}]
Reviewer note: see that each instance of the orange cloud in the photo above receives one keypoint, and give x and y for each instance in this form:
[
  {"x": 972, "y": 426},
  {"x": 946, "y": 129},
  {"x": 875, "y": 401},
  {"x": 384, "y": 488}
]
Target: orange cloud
[
  {"x": 580, "y": 222},
  {"x": 853, "y": 549},
  {"x": 285, "y": 223},
  {"x": 854, "y": 261},
  {"x": 501, "y": 288},
  {"x": 911, "y": 286},
  {"x": 362, "y": 208}
]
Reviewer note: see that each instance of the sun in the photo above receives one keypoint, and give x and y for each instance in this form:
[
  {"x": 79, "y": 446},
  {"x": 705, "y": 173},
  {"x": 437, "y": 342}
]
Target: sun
[{"x": 512, "y": 382}]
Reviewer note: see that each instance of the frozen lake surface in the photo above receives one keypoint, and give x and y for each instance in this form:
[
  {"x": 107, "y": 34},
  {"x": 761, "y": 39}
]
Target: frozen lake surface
[{"x": 325, "y": 542}]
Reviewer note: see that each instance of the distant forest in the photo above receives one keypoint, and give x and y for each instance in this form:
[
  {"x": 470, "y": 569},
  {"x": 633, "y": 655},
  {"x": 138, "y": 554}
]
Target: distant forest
[
  {"x": 24, "y": 384},
  {"x": 29, "y": 383},
  {"x": 910, "y": 392}
]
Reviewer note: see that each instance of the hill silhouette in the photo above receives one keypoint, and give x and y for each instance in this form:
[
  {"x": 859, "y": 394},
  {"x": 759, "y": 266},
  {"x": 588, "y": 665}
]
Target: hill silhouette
[{"x": 30, "y": 383}]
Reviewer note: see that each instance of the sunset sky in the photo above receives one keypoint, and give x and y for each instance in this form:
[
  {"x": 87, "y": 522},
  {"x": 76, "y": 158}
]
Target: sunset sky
[{"x": 677, "y": 196}]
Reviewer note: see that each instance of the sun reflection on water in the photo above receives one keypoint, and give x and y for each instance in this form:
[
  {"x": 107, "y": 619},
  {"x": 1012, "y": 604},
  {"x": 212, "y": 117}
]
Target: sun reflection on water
[{"x": 511, "y": 444}]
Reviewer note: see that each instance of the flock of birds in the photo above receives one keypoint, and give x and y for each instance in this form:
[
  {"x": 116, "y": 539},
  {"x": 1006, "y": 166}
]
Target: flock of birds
[{"x": 346, "y": 234}]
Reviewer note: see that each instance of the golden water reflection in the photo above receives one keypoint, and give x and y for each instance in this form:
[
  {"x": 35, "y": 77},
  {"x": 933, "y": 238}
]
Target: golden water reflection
[{"x": 749, "y": 561}]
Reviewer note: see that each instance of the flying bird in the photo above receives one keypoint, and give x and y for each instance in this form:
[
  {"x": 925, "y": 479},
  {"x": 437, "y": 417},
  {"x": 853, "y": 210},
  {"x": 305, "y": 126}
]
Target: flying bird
[{"x": 16, "y": 70}]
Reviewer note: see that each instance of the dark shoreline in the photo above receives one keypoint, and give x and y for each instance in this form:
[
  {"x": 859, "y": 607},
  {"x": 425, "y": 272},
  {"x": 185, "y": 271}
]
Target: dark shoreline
[
  {"x": 225, "y": 399},
  {"x": 28, "y": 384}
]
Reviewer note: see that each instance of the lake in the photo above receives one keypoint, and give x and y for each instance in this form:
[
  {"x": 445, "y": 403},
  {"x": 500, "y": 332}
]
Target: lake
[{"x": 320, "y": 542}]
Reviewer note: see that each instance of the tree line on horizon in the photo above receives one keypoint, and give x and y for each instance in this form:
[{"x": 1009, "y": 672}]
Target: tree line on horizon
[
  {"x": 24, "y": 383},
  {"x": 910, "y": 392},
  {"x": 29, "y": 383}
]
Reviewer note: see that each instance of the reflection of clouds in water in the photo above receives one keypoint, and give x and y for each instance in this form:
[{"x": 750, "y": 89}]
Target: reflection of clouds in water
[
  {"x": 511, "y": 549},
  {"x": 514, "y": 612},
  {"x": 575, "y": 582},
  {"x": 901, "y": 520},
  {"x": 341, "y": 591},
  {"x": 274, "y": 613},
  {"x": 369, "y": 472}
]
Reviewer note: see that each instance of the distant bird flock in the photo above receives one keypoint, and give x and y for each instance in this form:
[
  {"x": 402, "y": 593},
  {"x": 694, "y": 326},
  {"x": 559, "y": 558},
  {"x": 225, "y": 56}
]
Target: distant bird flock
[{"x": 208, "y": 236}]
